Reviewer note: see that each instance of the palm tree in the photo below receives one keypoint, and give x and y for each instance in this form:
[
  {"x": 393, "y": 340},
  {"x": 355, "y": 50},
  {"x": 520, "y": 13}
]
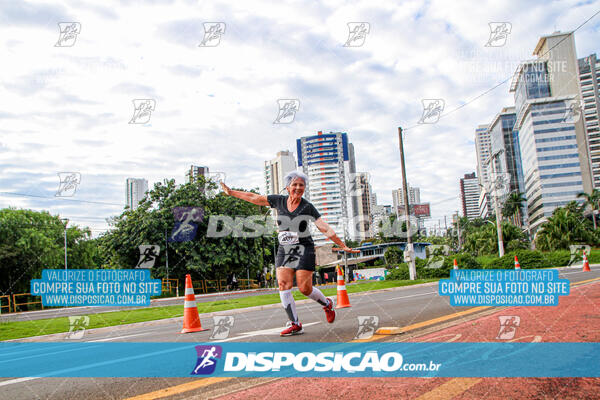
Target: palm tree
[
  {"x": 513, "y": 206},
  {"x": 593, "y": 200},
  {"x": 565, "y": 227}
]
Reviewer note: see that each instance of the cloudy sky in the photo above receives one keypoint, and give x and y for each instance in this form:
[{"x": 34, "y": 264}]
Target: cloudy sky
[{"x": 66, "y": 103}]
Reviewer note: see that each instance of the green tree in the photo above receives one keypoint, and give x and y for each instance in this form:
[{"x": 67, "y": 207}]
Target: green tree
[
  {"x": 393, "y": 255},
  {"x": 592, "y": 200},
  {"x": 204, "y": 257},
  {"x": 565, "y": 227},
  {"x": 31, "y": 241},
  {"x": 513, "y": 206},
  {"x": 484, "y": 239}
]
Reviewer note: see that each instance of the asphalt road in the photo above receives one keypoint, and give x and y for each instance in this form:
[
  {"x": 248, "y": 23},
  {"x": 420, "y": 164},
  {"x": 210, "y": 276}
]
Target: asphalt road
[
  {"x": 398, "y": 307},
  {"x": 73, "y": 311}
]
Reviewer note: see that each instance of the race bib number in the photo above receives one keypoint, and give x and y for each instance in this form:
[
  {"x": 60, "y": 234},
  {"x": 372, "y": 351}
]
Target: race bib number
[{"x": 288, "y": 238}]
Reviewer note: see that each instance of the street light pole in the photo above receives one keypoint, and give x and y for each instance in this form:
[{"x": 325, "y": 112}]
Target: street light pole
[{"x": 408, "y": 254}]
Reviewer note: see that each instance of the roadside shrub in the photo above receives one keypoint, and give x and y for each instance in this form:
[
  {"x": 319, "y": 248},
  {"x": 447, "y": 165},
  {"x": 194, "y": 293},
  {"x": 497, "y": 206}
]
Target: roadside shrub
[
  {"x": 558, "y": 258},
  {"x": 528, "y": 259},
  {"x": 398, "y": 274},
  {"x": 594, "y": 257}
]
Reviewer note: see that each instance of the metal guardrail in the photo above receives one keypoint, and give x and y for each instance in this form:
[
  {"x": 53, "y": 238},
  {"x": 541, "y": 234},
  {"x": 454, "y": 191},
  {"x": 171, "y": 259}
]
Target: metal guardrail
[
  {"x": 8, "y": 303},
  {"x": 16, "y": 304}
]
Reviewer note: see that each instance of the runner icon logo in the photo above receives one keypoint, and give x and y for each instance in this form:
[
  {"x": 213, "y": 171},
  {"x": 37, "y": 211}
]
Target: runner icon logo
[
  {"x": 367, "y": 325},
  {"x": 499, "y": 32},
  {"x": 68, "y": 34},
  {"x": 187, "y": 223},
  {"x": 207, "y": 359},
  {"x": 212, "y": 34},
  {"x": 222, "y": 326},
  {"x": 148, "y": 255},
  {"x": 508, "y": 326},
  {"x": 357, "y": 33},
  {"x": 577, "y": 253},
  {"x": 287, "y": 111},
  {"x": 77, "y": 326}
]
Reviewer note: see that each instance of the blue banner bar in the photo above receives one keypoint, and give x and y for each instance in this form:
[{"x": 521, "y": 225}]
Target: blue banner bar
[{"x": 299, "y": 360}]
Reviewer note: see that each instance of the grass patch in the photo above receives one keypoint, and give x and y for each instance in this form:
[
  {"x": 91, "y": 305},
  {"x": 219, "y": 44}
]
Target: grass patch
[{"x": 22, "y": 329}]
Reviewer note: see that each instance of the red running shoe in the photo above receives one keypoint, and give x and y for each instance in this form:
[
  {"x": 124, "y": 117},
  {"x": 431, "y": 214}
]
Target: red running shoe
[
  {"x": 329, "y": 312},
  {"x": 292, "y": 329}
]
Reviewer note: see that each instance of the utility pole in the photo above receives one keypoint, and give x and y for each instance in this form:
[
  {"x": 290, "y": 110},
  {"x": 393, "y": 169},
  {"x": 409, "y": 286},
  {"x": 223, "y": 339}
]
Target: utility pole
[
  {"x": 409, "y": 252},
  {"x": 497, "y": 210}
]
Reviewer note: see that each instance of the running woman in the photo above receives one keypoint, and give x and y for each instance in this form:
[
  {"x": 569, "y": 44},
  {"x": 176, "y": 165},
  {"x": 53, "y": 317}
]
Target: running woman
[{"x": 296, "y": 253}]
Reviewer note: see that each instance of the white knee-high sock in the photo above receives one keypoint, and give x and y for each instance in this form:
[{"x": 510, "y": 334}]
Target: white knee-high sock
[
  {"x": 289, "y": 305},
  {"x": 318, "y": 296}
]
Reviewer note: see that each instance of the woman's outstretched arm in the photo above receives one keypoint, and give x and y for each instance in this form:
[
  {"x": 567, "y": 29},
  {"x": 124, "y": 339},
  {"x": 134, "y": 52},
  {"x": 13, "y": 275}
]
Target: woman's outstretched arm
[{"x": 253, "y": 198}]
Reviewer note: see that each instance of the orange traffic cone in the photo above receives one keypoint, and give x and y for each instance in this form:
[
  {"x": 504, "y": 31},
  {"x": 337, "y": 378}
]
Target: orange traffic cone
[
  {"x": 342, "y": 294},
  {"x": 455, "y": 264},
  {"x": 191, "y": 318},
  {"x": 586, "y": 264},
  {"x": 517, "y": 265}
]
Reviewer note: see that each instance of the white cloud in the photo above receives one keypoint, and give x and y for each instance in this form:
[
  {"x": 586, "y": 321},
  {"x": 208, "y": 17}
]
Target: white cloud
[{"x": 68, "y": 108}]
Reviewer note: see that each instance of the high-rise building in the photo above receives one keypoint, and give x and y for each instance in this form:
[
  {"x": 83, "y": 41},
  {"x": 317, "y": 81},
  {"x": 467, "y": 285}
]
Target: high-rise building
[
  {"x": 328, "y": 161},
  {"x": 554, "y": 148},
  {"x": 502, "y": 148},
  {"x": 373, "y": 199},
  {"x": 414, "y": 197},
  {"x": 589, "y": 78},
  {"x": 196, "y": 171},
  {"x": 135, "y": 191},
  {"x": 380, "y": 214},
  {"x": 483, "y": 146},
  {"x": 364, "y": 216},
  {"x": 276, "y": 169},
  {"x": 469, "y": 195}
]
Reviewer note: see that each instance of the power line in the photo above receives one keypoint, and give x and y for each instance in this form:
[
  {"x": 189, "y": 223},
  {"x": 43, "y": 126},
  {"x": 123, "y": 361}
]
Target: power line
[
  {"x": 507, "y": 79},
  {"x": 58, "y": 197}
]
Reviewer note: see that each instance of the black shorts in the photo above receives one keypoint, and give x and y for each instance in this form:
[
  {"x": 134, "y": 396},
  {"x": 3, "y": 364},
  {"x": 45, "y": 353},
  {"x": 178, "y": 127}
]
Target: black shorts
[{"x": 296, "y": 256}]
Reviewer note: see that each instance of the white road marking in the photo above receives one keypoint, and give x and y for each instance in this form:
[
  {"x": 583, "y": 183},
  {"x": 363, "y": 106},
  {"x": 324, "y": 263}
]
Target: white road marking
[
  {"x": 272, "y": 331},
  {"x": 412, "y": 295},
  {"x": 118, "y": 337},
  {"x": 18, "y": 380}
]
